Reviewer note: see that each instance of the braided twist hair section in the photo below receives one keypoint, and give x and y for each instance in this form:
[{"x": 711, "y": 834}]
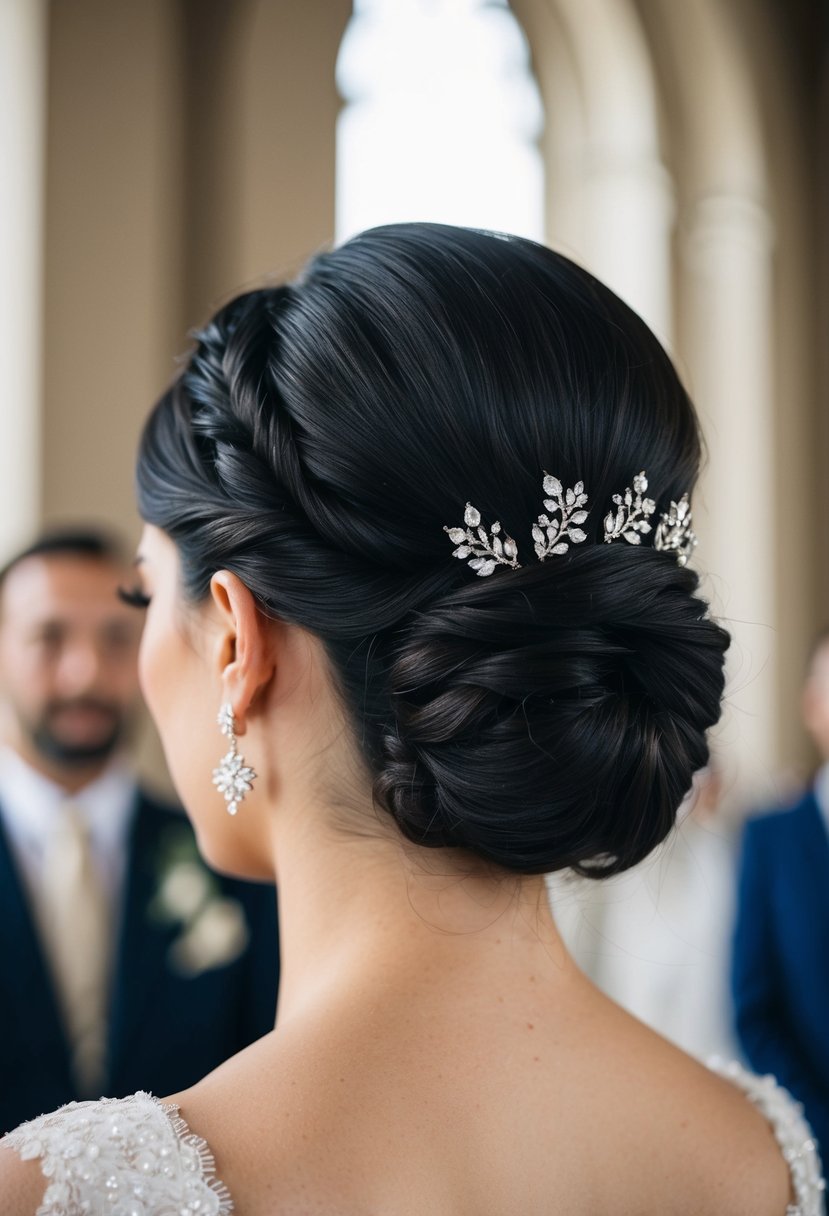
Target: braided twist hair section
[
  {"x": 318, "y": 441},
  {"x": 222, "y": 464}
]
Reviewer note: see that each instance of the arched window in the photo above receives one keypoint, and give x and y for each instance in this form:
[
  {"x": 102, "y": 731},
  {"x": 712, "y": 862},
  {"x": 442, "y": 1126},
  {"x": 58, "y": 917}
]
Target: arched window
[{"x": 441, "y": 118}]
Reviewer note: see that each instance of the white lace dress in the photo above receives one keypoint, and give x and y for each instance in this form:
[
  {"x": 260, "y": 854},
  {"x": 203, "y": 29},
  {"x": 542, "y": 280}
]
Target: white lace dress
[{"x": 136, "y": 1157}]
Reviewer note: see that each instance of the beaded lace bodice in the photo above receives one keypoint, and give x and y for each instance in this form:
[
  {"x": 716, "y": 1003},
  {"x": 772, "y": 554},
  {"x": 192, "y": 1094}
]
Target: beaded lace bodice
[{"x": 136, "y": 1157}]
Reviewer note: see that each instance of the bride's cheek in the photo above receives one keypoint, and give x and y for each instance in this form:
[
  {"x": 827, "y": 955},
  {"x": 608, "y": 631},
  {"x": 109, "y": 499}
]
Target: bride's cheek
[
  {"x": 150, "y": 668},
  {"x": 183, "y": 706},
  {"x": 165, "y": 677}
]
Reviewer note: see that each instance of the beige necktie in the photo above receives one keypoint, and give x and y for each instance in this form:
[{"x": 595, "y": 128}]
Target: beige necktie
[{"x": 74, "y": 922}]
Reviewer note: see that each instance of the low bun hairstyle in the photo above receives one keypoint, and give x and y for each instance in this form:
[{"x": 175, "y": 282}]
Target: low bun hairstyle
[{"x": 322, "y": 435}]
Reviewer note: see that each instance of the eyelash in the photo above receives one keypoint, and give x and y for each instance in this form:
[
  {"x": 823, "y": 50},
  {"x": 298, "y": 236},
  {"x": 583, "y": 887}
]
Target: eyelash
[{"x": 133, "y": 596}]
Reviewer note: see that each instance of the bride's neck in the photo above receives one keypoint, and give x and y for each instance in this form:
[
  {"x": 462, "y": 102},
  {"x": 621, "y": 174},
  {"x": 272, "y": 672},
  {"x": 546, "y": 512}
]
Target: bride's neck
[{"x": 361, "y": 911}]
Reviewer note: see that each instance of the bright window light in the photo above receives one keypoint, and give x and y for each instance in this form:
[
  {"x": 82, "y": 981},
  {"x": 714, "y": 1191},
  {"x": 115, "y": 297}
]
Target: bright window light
[{"x": 441, "y": 118}]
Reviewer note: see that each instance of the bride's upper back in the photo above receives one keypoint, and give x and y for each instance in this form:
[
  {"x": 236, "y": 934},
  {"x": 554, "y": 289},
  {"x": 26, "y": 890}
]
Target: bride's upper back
[
  {"x": 421, "y": 1115},
  {"x": 584, "y": 1112}
]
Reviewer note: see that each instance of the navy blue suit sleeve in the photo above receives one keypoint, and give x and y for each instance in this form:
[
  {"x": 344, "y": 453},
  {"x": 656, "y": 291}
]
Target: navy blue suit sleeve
[{"x": 756, "y": 979}]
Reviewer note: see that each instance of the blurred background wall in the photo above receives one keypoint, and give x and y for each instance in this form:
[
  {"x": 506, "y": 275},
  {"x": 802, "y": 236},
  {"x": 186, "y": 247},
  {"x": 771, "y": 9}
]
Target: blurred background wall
[{"x": 159, "y": 155}]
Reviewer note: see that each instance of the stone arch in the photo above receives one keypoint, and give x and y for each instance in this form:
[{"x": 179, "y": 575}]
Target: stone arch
[{"x": 610, "y": 197}]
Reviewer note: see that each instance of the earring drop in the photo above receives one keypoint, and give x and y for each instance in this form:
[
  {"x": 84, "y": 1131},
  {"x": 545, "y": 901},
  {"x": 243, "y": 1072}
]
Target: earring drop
[{"x": 233, "y": 778}]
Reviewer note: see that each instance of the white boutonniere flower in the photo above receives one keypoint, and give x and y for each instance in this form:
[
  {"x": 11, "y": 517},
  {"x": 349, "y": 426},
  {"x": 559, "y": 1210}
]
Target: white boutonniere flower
[{"x": 213, "y": 928}]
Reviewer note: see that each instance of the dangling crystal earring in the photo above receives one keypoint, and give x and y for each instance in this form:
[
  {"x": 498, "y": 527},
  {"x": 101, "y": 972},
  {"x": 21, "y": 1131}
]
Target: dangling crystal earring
[{"x": 233, "y": 778}]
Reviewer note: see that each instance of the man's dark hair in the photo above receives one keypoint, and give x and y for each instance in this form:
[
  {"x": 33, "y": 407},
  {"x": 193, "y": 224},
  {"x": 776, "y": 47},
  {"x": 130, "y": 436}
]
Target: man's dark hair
[{"x": 91, "y": 542}]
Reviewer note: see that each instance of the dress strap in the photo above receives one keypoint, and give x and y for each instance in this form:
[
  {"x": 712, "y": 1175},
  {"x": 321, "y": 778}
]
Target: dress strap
[{"x": 135, "y": 1155}]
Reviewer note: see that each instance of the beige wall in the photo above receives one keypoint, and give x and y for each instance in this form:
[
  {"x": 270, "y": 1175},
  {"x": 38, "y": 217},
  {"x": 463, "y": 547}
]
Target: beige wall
[
  {"x": 260, "y": 109},
  {"x": 113, "y": 265},
  {"x": 190, "y": 152}
]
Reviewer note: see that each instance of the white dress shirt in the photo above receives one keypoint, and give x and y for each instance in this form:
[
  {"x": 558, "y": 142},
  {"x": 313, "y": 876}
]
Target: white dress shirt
[{"x": 30, "y": 803}]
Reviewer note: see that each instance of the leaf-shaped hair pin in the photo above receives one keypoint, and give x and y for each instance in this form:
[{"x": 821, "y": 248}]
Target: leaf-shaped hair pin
[
  {"x": 674, "y": 532},
  {"x": 630, "y": 521},
  {"x": 484, "y": 550},
  {"x": 559, "y": 526},
  {"x": 556, "y": 535}
]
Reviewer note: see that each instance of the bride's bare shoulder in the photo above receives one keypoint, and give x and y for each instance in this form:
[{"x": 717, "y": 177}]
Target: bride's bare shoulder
[
  {"x": 21, "y": 1184},
  {"x": 264, "y": 1114},
  {"x": 723, "y": 1149},
  {"x": 749, "y": 1165}
]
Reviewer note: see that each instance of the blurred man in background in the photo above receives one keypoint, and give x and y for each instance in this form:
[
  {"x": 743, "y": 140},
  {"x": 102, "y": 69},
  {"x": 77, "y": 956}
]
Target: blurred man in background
[
  {"x": 780, "y": 970},
  {"x": 125, "y": 963}
]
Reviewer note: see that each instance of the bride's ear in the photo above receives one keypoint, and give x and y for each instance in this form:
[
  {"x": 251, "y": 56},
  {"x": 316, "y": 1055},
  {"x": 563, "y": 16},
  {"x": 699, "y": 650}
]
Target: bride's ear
[{"x": 244, "y": 650}]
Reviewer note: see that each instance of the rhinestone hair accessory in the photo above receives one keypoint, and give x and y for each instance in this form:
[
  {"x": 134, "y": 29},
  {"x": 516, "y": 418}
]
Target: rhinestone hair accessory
[
  {"x": 232, "y": 778},
  {"x": 484, "y": 549},
  {"x": 630, "y": 520},
  {"x": 558, "y": 527},
  {"x": 549, "y": 534},
  {"x": 674, "y": 532}
]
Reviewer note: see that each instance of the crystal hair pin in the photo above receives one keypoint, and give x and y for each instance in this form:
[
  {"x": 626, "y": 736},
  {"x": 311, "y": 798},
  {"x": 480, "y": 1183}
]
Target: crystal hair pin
[
  {"x": 630, "y": 520},
  {"x": 558, "y": 527},
  {"x": 674, "y": 533}
]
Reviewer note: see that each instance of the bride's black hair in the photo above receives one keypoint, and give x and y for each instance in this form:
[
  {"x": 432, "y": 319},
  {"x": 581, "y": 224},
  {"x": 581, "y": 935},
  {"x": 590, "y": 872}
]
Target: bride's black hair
[{"x": 318, "y": 440}]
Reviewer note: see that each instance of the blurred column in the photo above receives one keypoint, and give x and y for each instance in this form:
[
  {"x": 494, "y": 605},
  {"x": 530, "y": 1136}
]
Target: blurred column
[
  {"x": 289, "y": 114},
  {"x": 729, "y": 343},
  {"x": 214, "y": 64},
  {"x": 728, "y": 298},
  {"x": 22, "y": 119},
  {"x": 627, "y": 196},
  {"x": 630, "y": 216},
  {"x": 258, "y": 155},
  {"x": 113, "y": 246}
]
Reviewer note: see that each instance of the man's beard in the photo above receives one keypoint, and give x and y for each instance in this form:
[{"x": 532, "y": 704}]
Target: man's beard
[{"x": 47, "y": 738}]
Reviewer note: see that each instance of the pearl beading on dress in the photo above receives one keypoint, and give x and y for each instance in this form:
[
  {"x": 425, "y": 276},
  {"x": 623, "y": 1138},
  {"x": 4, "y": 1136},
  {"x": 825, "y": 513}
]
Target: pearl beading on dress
[{"x": 136, "y": 1154}]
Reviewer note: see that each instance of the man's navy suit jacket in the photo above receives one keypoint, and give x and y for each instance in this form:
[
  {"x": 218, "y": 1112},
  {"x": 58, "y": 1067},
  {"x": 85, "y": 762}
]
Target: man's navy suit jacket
[
  {"x": 780, "y": 964},
  {"x": 165, "y": 1030}
]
